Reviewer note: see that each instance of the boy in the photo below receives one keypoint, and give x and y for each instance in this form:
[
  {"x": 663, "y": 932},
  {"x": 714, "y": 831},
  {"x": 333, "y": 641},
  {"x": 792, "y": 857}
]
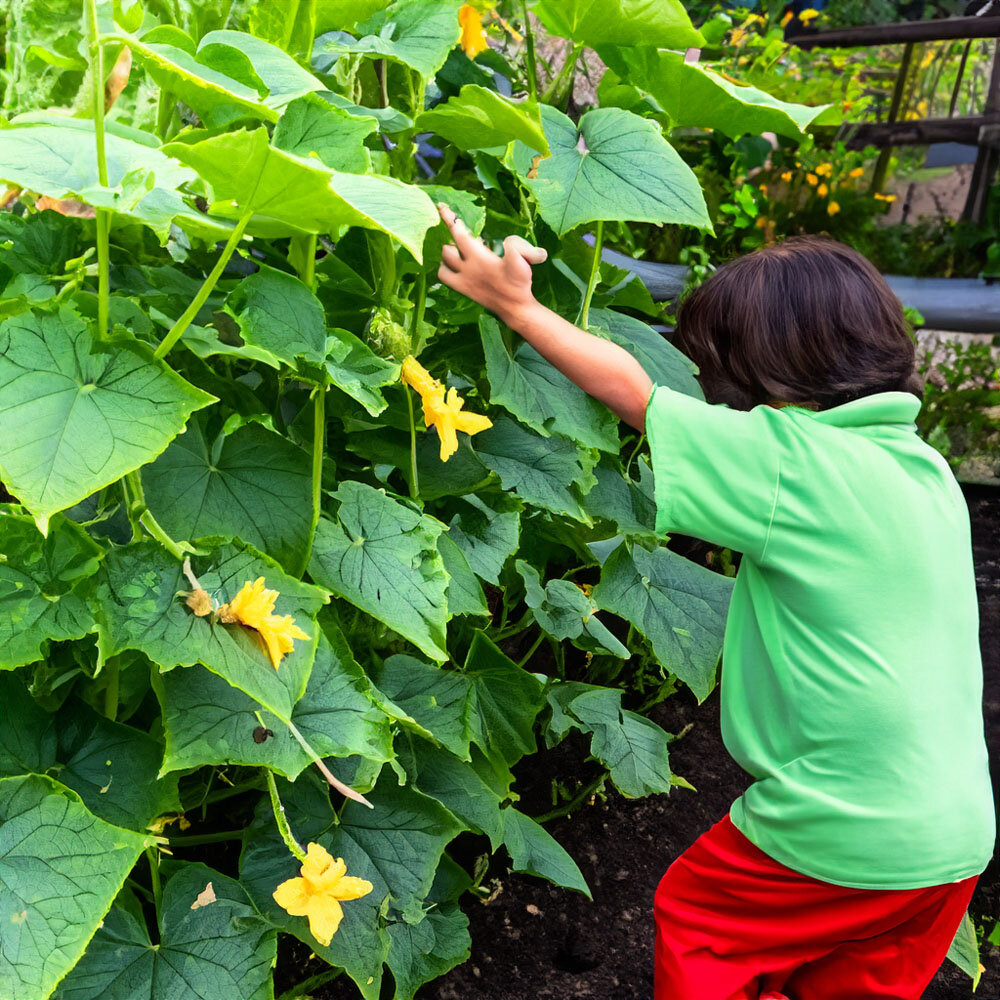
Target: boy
[{"x": 852, "y": 683}]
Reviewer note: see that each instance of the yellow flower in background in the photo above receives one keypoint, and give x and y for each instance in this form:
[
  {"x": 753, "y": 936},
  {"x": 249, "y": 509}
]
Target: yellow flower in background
[
  {"x": 808, "y": 15},
  {"x": 318, "y": 893},
  {"x": 825, "y": 169},
  {"x": 763, "y": 190},
  {"x": 812, "y": 179},
  {"x": 822, "y": 190},
  {"x": 442, "y": 409},
  {"x": 762, "y": 222},
  {"x": 885, "y": 197},
  {"x": 786, "y": 19},
  {"x": 833, "y": 208},
  {"x": 473, "y": 39},
  {"x": 254, "y": 606},
  {"x": 856, "y": 172},
  {"x": 786, "y": 176}
]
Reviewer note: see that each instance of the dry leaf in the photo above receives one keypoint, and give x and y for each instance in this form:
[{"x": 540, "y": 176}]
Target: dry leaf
[{"x": 206, "y": 896}]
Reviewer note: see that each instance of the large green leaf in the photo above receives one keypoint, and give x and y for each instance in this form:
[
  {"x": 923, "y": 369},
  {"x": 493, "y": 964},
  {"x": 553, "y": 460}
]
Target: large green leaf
[
  {"x": 207, "y": 721},
  {"x": 693, "y": 94},
  {"x": 252, "y": 484},
  {"x": 422, "y": 952},
  {"x": 477, "y": 118},
  {"x": 539, "y": 395},
  {"x": 632, "y": 747},
  {"x": 964, "y": 950},
  {"x": 218, "y": 949},
  {"x": 678, "y": 606},
  {"x": 311, "y": 126},
  {"x": 138, "y": 605},
  {"x": 343, "y": 15},
  {"x": 664, "y": 364},
  {"x": 613, "y": 165},
  {"x": 78, "y": 415},
  {"x": 278, "y": 314},
  {"x": 258, "y": 61},
  {"x": 663, "y": 23},
  {"x": 112, "y": 767},
  {"x": 60, "y": 869},
  {"x": 417, "y": 33},
  {"x": 60, "y": 160},
  {"x": 40, "y": 579},
  {"x": 487, "y": 533},
  {"x": 549, "y": 472},
  {"x": 465, "y": 594},
  {"x": 428, "y": 700},
  {"x": 534, "y": 850},
  {"x": 383, "y": 558},
  {"x": 291, "y": 194},
  {"x": 353, "y": 367},
  {"x": 630, "y": 505},
  {"x": 564, "y": 611}
]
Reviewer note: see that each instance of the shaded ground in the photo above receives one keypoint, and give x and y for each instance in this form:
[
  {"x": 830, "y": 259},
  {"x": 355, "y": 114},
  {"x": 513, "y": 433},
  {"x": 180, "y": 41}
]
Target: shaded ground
[{"x": 535, "y": 941}]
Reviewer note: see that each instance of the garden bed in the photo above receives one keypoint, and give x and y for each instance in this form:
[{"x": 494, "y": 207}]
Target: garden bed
[{"x": 534, "y": 940}]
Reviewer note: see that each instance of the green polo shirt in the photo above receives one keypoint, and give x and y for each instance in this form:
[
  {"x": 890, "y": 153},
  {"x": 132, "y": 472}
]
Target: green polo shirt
[{"x": 852, "y": 681}]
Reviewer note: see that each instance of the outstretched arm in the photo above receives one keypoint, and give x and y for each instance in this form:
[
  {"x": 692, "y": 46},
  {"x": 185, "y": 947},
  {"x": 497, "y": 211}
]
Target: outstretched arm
[{"x": 503, "y": 285}]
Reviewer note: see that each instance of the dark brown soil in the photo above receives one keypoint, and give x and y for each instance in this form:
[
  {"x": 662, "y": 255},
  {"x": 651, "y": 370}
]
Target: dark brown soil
[{"x": 538, "y": 942}]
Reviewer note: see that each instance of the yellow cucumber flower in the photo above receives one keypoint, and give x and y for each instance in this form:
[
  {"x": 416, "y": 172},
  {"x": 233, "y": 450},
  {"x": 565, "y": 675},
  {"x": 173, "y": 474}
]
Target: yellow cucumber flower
[
  {"x": 812, "y": 180},
  {"x": 806, "y": 16},
  {"x": 473, "y": 40},
  {"x": 442, "y": 409},
  {"x": 254, "y": 606},
  {"x": 856, "y": 172},
  {"x": 323, "y": 885},
  {"x": 822, "y": 190},
  {"x": 786, "y": 176},
  {"x": 825, "y": 169},
  {"x": 833, "y": 208}
]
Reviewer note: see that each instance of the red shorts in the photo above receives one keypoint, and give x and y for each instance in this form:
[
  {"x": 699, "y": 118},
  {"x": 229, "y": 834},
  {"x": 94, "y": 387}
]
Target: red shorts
[{"x": 732, "y": 924}]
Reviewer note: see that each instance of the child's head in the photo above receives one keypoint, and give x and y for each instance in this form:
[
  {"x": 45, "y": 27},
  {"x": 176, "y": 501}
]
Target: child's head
[{"x": 807, "y": 321}]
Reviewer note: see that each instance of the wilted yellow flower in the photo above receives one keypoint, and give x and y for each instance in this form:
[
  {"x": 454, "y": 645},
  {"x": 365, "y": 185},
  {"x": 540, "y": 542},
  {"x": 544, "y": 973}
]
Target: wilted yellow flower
[
  {"x": 442, "y": 409},
  {"x": 812, "y": 179},
  {"x": 822, "y": 190},
  {"x": 833, "y": 208},
  {"x": 808, "y": 15},
  {"x": 825, "y": 169},
  {"x": 762, "y": 222},
  {"x": 473, "y": 40},
  {"x": 786, "y": 19},
  {"x": 254, "y": 606},
  {"x": 856, "y": 172},
  {"x": 786, "y": 176},
  {"x": 763, "y": 190},
  {"x": 323, "y": 885}
]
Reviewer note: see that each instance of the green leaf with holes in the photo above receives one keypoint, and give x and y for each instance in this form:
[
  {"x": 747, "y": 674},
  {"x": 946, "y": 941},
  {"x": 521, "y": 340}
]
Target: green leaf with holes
[
  {"x": 77, "y": 414},
  {"x": 222, "y": 948},
  {"x": 60, "y": 870}
]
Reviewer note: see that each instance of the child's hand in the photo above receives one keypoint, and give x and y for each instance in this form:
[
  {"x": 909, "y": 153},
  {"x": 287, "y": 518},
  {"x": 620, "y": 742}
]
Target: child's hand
[{"x": 501, "y": 284}]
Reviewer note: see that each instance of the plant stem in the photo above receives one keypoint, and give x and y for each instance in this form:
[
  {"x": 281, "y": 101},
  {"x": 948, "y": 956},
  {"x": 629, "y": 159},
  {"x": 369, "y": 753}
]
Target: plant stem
[
  {"x": 576, "y": 801},
  {"x": 228, "y": 793},
  {"x": 529, "y": 54},
  {"x": 595, "y": 271},
  {"x": 554, "y": 88},
  {"x": 414, "y": 476},
  {"x": 635, "y": 451},
  {"x": 145, "y": 516},
  {"x": 111, "y": 691},
  {"x": 308, "y": 985},
  {"x": 318, "y": 446},
  {"x": 153, "y": 858},
  {"x": 531, "y": 650},
  {"x": 164, "y": 113},
  {"x": 282, "y": 821},
  {"x": 103, "y": 219},
  {"x": 332, "y": 780},
  {"x": 205, "y": 838},
  {"x": 305, "y": 247},
  {"x": 184, "y": 321}
]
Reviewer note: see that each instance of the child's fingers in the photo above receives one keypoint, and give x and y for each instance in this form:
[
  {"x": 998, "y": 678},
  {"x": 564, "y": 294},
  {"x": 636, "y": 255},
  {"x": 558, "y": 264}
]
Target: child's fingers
[
  {"x": 467, "y": 243},
  {"x": 451, "y": 257},
  {"x": 532, "y": 254}
]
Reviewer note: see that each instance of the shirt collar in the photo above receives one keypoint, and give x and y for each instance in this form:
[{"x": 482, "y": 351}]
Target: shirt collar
[{"x": 879, "y": 408}]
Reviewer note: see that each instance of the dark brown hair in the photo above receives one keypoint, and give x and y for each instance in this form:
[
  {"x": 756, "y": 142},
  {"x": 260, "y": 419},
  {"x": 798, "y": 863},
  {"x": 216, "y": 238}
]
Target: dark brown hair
[{"x": 806, "y": 321}]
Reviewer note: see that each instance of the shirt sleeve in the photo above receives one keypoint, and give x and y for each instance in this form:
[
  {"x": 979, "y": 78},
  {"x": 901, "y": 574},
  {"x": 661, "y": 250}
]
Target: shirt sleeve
[{"x": 716, "y": 471}]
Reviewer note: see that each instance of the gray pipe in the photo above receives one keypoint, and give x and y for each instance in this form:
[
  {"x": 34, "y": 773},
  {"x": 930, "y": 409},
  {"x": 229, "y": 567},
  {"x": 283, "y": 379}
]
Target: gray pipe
[{"x": 961, "y": 305}]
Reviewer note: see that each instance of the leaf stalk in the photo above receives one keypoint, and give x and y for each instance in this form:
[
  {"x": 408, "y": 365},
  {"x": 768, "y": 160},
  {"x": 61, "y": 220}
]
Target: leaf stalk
[
  {"x": 281, "y": 820},
  {"x": 102, "y": 224},
  {"x": 318, "y": 447},
  {"x": 595, "y": 271}
]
